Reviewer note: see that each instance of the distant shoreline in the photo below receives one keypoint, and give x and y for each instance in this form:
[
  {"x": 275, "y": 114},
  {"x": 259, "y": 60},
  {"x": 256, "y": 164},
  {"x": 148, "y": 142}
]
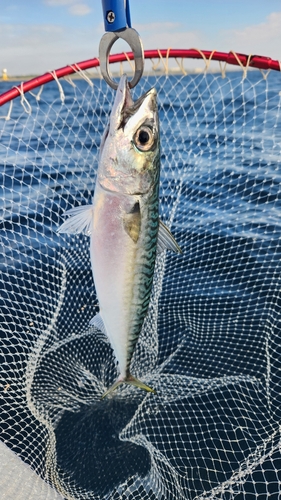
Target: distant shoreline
[{"x": 96, "y": 76}]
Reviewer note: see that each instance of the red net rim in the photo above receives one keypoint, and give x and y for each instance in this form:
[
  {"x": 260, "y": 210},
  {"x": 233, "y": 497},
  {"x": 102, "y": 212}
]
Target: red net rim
[{"x": 236, "y": 59}]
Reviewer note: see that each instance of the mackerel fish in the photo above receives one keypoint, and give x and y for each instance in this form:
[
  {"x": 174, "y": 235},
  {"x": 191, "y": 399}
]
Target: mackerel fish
[{"x": 124, "y": 224}]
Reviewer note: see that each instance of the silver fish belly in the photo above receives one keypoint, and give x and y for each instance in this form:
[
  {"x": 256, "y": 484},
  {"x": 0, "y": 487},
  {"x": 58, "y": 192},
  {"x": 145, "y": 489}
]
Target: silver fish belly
[{"x": 124, "y": 224}]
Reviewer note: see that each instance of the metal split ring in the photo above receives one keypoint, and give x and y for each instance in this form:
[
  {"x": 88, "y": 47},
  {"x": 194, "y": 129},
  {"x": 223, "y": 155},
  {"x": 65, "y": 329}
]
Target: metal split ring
[{"x": 132, "y": 37}]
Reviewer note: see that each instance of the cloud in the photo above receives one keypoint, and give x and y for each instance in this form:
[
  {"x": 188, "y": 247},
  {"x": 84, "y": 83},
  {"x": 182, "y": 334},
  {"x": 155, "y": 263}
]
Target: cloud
[
  {"x": 56, "y": 3},
  {"x": 40, "y": 48},
  {"x": 75, "y": 8},
  {"x": 261, "y": 39},
  {"x": 79, "y": 9},
  {"x": 157, "y": 27}
]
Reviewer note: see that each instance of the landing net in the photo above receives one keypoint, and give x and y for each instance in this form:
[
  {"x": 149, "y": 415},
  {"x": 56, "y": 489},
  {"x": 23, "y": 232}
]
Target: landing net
[{"x": 210, "y": 344}]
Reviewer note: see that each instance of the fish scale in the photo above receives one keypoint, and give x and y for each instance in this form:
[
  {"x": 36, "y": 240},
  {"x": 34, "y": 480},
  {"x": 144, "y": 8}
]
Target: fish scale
[{"x": 145, "y": 266}]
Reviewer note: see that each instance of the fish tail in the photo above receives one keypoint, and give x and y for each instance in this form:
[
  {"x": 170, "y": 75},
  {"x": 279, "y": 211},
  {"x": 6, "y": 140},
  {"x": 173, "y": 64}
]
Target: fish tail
[
  {"x": 129, "y": 379},
  {"x": 112, "y": 388}
]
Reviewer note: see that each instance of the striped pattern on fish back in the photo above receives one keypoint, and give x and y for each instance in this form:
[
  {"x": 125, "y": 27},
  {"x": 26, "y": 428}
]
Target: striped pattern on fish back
[{"x": 145, "y": 263}]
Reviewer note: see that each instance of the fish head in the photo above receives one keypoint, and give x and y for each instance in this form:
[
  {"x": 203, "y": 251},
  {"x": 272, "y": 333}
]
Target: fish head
[{"x": 130, "y": 150}]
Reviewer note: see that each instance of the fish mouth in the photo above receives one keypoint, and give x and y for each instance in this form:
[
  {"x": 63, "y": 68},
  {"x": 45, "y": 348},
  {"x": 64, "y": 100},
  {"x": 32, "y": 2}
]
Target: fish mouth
[
  {"x": 124, "y": 107},
  {"x": 124, "y": 91},
  {"x": 123, "y": 100}
]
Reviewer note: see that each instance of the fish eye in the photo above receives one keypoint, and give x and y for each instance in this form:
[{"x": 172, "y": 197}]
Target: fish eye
[{"x": 144, "y": 138}]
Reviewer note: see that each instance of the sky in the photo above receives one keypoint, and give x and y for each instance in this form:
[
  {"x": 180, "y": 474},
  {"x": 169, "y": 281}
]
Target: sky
[{"x": 42, "y": 35}]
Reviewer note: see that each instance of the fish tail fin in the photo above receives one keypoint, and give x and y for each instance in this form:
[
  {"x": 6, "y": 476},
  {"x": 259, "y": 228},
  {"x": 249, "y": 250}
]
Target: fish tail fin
[
  {"x": 129, "y": 379},
  {"x": 138, "y": 383},
  {"x": 80, "y": 220},
  {"x": 112, "y": 388}
]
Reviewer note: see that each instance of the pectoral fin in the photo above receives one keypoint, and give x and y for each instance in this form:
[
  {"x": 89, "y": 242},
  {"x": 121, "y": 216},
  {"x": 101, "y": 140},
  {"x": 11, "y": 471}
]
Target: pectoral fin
[
  {"x": 80, "y": 220},
  {"x": 166, "y": 240},
  {"x": 132, "y": 222}
]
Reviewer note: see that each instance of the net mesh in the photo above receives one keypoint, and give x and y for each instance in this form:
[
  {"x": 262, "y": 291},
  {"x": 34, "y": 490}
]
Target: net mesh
[{"x": 210, "y": 343}]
